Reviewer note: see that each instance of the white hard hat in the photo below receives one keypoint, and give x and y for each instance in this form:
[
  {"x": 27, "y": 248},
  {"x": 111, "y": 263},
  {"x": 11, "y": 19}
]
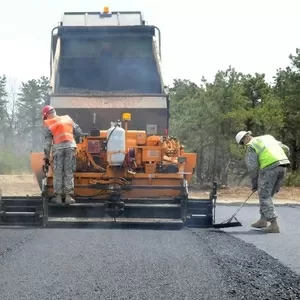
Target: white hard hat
[{"x": 240, "y": 135}]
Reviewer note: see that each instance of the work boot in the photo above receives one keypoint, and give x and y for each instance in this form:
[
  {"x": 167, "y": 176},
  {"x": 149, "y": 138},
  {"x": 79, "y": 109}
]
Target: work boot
[
  {"x": 273, "y": 228},
  {"x": 56, "y": 199},
  {"x": 69, "y": 199},
  {"x": 262, "y": 222}
]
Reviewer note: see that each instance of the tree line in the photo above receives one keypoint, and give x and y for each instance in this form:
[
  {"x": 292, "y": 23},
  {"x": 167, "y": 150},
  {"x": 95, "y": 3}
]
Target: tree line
[
  {"x": 205, "y": 117},
  {"x": 20, "y": 122}
]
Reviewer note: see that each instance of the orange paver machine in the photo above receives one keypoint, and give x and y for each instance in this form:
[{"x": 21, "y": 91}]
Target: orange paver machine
[{"x": 106, "y": 75}]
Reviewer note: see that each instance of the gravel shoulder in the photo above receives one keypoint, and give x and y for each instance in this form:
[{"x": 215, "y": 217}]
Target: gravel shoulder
[
  {"x": 251, "y": 273},
  {"x": 139, "y": 264},
  {"x": 283, "y": 246}
]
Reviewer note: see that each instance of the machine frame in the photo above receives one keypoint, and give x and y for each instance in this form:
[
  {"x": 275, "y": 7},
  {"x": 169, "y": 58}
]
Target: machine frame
[{"x": 168, "y": 202}]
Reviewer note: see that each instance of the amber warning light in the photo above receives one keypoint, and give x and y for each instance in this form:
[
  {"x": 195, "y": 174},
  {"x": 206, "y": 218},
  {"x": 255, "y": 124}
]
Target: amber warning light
[
  {"x": 105, "y": 13},
  {"x": 126, "y": 116}
]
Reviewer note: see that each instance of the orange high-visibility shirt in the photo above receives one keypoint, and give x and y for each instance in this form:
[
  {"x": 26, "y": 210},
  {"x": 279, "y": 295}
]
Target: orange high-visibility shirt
[{"x": 61, "y": 128}]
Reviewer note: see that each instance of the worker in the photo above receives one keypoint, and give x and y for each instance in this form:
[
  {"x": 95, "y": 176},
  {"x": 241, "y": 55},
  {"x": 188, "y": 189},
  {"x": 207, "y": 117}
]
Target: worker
[
  {"x": 266, "y": 159},
  {"x": 61, "y": 130}
]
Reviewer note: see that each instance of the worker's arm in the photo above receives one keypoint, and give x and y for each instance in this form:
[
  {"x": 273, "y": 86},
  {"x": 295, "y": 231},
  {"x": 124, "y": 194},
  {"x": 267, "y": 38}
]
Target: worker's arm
[
  {"x": 285, "y": 148},
  {"x": 47, "y": 142},
  {"x": 77, "y": 130},
  {"x": 251, "y": 160}
]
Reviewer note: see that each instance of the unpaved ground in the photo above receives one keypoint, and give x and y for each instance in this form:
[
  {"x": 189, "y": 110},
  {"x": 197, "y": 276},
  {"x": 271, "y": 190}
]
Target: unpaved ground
[
  {"x": 286, "y": 195},
  {"x": 17, "y": 185},
  {"x": 26, "y": 185}
]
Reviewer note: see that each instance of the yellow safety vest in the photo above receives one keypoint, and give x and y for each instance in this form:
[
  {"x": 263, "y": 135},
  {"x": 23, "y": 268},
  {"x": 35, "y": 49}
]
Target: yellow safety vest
[{"x": 267, "y": 149}]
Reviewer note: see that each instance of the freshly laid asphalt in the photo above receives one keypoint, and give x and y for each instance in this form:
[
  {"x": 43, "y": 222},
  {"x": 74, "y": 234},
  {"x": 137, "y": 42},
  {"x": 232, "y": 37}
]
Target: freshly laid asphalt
[
  {"x": 153, "y": 264},
  {"x": 284, "y": 246}
]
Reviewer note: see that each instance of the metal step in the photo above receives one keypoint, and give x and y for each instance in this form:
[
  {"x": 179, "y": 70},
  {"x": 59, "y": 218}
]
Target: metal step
[
  {"x": 19, "y": 209},
  {"x": 152, "y": 205},
  {"x": 132, "y": 205},
  {"x": 77, "y": 205},
  {"x": 131, "y": 210},
  {"x": 117, "y": 220},
  {"x": 16, "y": 218},
  {"x": 19, "y": 213}
]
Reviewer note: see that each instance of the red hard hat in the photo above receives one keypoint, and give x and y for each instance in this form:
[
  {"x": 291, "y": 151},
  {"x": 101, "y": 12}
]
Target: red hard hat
[{"x": 46, "y": 110}]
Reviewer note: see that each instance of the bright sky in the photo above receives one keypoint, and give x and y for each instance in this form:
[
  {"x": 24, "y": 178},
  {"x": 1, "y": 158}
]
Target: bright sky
[{"x": 199, "y": 37}]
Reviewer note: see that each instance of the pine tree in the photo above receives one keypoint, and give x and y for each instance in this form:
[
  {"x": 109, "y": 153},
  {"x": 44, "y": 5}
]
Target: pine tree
[{"x": 30, "y": 102}]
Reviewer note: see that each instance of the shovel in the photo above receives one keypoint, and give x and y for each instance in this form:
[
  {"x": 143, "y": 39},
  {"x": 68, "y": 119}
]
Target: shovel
[{"x": 228, "y": 223}]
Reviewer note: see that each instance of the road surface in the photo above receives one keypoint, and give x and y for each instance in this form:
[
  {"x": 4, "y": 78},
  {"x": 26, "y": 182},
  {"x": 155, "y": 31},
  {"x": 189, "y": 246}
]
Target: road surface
[
  {"x": 284, "y": 246},
  {"x": 138, "y": 264}
]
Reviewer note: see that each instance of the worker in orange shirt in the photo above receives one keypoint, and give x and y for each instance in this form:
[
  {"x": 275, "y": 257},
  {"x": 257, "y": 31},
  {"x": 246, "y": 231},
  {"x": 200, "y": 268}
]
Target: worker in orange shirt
[{"x": 59, "y": 132}]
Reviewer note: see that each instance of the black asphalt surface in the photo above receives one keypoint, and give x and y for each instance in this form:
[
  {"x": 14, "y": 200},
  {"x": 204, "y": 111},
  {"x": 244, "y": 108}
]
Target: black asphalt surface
[
  {"x": 284, "y": 246},
  {"x": 138, "y": 264}
]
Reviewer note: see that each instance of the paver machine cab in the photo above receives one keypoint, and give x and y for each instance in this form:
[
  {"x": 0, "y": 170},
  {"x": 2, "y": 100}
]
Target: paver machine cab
[{"x": 106, "y": 75}]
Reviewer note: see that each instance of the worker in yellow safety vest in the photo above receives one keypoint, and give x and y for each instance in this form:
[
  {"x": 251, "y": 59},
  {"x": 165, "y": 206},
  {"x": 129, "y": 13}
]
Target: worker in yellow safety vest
[{"x": 266, "y": 160}]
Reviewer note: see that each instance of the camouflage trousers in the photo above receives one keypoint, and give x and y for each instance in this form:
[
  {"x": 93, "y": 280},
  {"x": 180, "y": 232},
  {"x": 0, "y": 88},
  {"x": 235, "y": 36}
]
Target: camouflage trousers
[
  {"x": 64, "y": 166},
  {"x": 268, "y": 185}
]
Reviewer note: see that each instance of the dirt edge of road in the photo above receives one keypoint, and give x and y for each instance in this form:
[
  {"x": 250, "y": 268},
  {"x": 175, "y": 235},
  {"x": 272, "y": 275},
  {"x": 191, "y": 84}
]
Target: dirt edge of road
[{"x": 26, "y": 184}]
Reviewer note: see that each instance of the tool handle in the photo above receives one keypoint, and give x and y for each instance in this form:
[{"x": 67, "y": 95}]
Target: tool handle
[{"x": 243, "y": 204}]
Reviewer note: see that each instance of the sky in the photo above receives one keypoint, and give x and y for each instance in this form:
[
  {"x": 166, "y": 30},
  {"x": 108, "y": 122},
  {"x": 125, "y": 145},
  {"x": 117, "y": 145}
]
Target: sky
[{"x": 199, "y": 37}]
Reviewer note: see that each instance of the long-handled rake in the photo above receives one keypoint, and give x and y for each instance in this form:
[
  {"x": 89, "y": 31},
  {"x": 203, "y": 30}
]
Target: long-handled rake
[{"x": 228, "y": 223}]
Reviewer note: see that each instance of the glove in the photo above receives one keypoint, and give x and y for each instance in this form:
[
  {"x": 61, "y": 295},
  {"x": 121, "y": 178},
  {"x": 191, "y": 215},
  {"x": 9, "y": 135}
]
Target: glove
[
  {"x": 254, "y": 182},
  {"x": 47, "y": 161}
]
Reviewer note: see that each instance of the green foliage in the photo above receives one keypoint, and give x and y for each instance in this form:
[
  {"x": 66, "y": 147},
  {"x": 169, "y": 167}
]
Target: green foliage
[
  {"x": 207, "y": 117},
  {"x": 12, "y": 162},
  {"x": 20, "y": 123},
  {"x": 292, "y": 179},
  {"x": 3, "y": 96},
  {"x": 31, "y": 99},
  {"x": 30, "y": 102}
]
